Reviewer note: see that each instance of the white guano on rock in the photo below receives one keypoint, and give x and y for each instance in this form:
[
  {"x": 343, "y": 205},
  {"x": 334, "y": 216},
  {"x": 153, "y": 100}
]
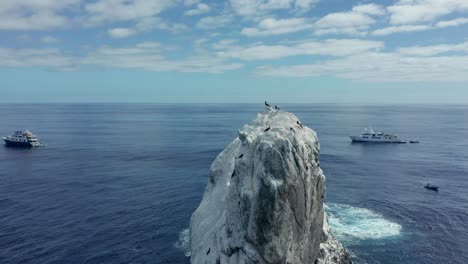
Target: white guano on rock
[{"x": 264, "y": 199}]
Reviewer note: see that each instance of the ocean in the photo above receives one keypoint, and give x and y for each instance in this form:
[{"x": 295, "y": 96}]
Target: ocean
[{"x": 117, "y": 183}]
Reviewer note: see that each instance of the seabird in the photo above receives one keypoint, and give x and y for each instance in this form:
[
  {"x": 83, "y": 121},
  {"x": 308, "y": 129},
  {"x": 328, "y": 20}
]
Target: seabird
[
  {"x": 292, "y": 129},
  {"x": 300, "y": 124},
  {"x": 277, "y": 108},
  {"x": 208, "y": 252},
  {"x": 267, "y": 104},
  {"x": 241, "y": 155},
  {"x": 233, "y": 173},
  {"x": 266, "y": 129}
]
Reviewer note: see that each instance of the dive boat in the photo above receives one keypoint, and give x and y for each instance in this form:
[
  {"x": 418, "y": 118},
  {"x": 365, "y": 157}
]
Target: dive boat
[
  {"x": 431, "y": 187},
  {"x": 22, "y": 139},
  {"x": 370, "y": 136}
]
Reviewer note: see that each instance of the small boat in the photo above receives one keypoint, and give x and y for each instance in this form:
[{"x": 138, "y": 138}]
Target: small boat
[
  {"x": 22, "y": 139},
  {"x": 431, "y": 187},
  {"x": 370, "y": 136},
  {"x": 414, "y": 141}
]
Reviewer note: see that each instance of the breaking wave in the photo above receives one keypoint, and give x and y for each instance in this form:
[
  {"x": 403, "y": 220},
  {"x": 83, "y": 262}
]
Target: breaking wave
[{"x": 350, "y": 224}]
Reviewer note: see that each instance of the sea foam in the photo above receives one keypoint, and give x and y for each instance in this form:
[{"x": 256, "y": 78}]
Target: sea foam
[
  {"x": 184, "y": 242},
  {"x": 352, "y": 224}
]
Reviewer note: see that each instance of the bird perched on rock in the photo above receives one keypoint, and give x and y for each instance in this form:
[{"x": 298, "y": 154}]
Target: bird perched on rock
[
  {"x": 277, "y": 108},
  {"x": 266, "y": 129},
  {"x": 292, "y": 129},
  {"x": 241, "y": 155},
  {"x": 300, "y": 124},
  {"x": 267, "y": 104}
]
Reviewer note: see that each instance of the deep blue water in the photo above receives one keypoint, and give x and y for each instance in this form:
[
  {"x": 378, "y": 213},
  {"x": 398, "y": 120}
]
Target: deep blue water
[{"x": 118, "y": 183}]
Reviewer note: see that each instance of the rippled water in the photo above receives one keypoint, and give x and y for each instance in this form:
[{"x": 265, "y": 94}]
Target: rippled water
[{"x": 117, "y": 183}]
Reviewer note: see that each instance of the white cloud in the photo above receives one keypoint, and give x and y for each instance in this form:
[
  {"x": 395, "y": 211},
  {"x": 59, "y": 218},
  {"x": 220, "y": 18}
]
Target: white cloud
[
  {"x": 121, "y": 32},
  {"x": 250, "y": 8},
  {"x": 125, "y": 10},
  {"x": 245, "y": 7},
  {"x": 330, "y": 47},
  {"x": 400, "y": 29},
  {"x": 276, "y": 4},
  {"x": 50, "y": 14},
  {"x": 223, "y": 44},
  {"x": 34, "y": 15},
  {"x": 380, "y": 67},
  {"x": 370, "y": 9},
  {"x": 353, "y": 31},
  {"x": 354, "y": 22},
  {"x": 347, "y": 58},
  {"x": 344, "y": 19},
  {"x": 201, "y": 8},
  {"x": 48, "y": 58},
  {"x": 152, "y": 23},
  {"x": 434, "y": 49},
  {"x": 452, "y": 23},
  {"x": 149, "y": 56},
  {"x": 150, "y": 45},
  {"x": 144, "y": 25},
  {"x": 416, "y": 11},
  {"x": 305, "y": 4},
  {"x": 49, "y": 39},
  {"x": 271, "y": 26},
  {"x": 212, "y": 22},
  {"x": 414, "y": 28}
]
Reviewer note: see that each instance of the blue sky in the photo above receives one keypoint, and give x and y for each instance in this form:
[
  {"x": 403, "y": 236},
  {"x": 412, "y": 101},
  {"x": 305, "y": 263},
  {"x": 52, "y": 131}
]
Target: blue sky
[{"x": 330, "y": 51}]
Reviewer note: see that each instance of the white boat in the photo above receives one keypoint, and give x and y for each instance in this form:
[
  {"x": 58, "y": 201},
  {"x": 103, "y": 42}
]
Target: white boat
[
  {"x": 22, "y": 139},
  {"x": 369, "y": 135}
]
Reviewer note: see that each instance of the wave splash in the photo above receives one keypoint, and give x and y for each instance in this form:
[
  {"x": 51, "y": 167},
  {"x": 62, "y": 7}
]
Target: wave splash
[
  {"x": 184, "y": 242},
  {"x": 350, "y": 224}
]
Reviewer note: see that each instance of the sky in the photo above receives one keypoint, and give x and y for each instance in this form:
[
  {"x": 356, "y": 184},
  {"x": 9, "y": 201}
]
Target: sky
[{"x": 234, "y": 51}]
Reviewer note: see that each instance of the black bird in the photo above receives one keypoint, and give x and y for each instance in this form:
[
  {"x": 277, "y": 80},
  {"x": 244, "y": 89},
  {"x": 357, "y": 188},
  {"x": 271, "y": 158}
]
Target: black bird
[
  {"x": 208, "y": 252},
  {"x": 267, "y": 104},
  {"x": 233, "y": 173},
  {"x": 266, "y": 129},
  {"x": 300, "y": 124},
  {"x": 292, "y": 129},
  {"x": 277, "y": 108},
  {"x": 241, "y": 155}
]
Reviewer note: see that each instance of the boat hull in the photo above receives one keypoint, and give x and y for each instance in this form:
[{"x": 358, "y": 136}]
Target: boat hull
[
  {"x": 356, "y": 139},
  {"x": 436, "y": 189},
  {"x": 15, "y": 144}
]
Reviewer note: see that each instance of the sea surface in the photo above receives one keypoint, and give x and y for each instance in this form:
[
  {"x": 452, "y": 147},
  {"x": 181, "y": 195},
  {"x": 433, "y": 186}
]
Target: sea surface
[{"x": 117, "y": 183}]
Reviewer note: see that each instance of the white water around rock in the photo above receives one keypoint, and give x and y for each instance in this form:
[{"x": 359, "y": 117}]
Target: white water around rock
[
  {"x": 353, "y": 224},
  {"x": 183, "y": 243}
]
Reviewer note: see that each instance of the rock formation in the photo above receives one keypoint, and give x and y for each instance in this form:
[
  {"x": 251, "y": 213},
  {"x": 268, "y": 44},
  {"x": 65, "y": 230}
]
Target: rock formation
[{"x": 264, "y": 199}]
